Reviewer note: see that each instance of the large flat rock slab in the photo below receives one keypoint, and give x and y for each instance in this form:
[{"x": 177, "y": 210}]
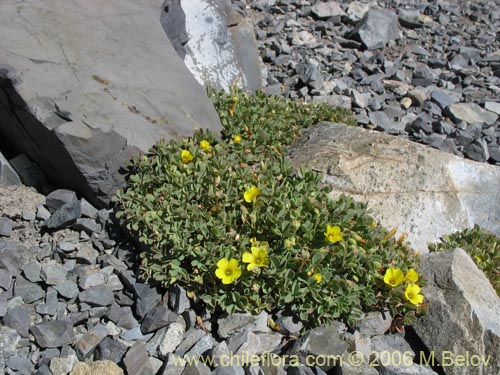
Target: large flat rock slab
[
  {"x": 422, "y": 191},
  {"x": 85, "y": 85}
]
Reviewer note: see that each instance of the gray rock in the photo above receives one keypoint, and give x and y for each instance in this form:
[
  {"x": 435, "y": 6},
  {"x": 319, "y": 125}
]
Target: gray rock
[
  {"x": 53, "y": 333},
  {"x": 376, "y": 29},
  {"x": 67, "y": 290},
  {"x": 357, "y": 10},
  {"x": 62, "y": 365},
  {"x": 89, "y": 226},
  {"x": 86, "y": 344},
  {"x": 470, "y": 113},
  {"x": 42, "y": 213},
  {"x": 18, "y": 318},
  {"x": 178, "y": 300},
  {"x": 463, "y": 304},
  {"x": 191, "y": 337},
  {"x": 58, "y": 198},
  {"x": 5, "y": 279},
  {"x": 201, "y": 347},
  {"x": 20, "y": 365},
  {"x": 424, "y": 214},
  {"x": 172, "y": 339},
  {"x": 329, "y": 10},
  {"x": 88, "y": 210},
  {"x": 29, "y": 292},
  {"x": 92, "y": 279},
  {"x": 51, "y": 303},
  {"x": 53, "y": 274},
  {"x": 110, "y": 349},
  {"x": 137, "y": 360},
  {"x": 122, "y": 316},
  {"x": 97, "y": 296},
  {"x": 320, "y": 341},
  {"x": 8, "y": 175},
  {"x": 64, "y": 216},
  {"x": 229, "y": 370},
  {"x": 4, "y": 296},
  {"x": 290, "y": 325},
  {"x": 29, "y": 215},
  {"x": 375, "y": 323},
  {"x": 233, "y": 323},
  {"x": 197, "y": 369},
  {"x": 445, "y": 98},
  {"x": 86, "y": 254},
  {"x": 11, "y": 257},
  {"x": 6, "y": 226},
  {"x": 147, "y": 298},
  {"x": 93, "y": 109},
  {"x": 174, "y": 365},
  {"x": 492, "y": 107},
  {"x": 157, "y": 318},
  {"x": 9, "y": 340}
]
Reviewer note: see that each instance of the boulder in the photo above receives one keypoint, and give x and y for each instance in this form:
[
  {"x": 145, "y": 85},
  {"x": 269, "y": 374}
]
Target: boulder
[
  {"x": 377, "y": 28},
  {"x": 464, "y": 305},
  {"x": 422, "y": 191},
  {"x": 99, "y": 83},
  {"x": 217, "y": 44}
]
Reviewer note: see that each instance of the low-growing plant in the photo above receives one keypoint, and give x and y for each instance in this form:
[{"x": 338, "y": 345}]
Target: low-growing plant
[
  {"x": 231, "y": 221},
  {"x": 481, "y": 245}
]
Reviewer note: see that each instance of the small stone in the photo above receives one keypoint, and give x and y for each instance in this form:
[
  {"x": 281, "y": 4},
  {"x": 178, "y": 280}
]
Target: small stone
[
  {"x": 202, "y": 346},
  {"x": 86, "y": 254},
  {"x": 445, "y": 98},
  {"x": 20, "y": 365},
  {"x": 5, "y": 279},
  {"x": 191, "y": 337},
  {"x": 374, "y": 323},
  {"x": 147, "y": 298},
  {"x": 58, "y": 198},
  {"x": 330, "y": 10},
  {"x": 88, "y": 210},
  {"x": 53, "y": 333},
  {"x": 89, "y": 226},
  {"x": 92, "y": 279},
  {"x": 97, "y": 296},
  {"x": 470, "y": 113},
  {"x": 304, "y": 38},
  {"x": 233, "y": 323},
  {"x": 244, "y": 342},
  {"x": 18, "y": 318},
  {"x": 67, "y": 290},
  {"x": 492, "y": 107},
  {"x": 6, "y": 226},
  {"x": 172, "y": 339},
  {"x": 51, "y": 303},
  {"x": 157, "y": 318},
  {"x": 406, "y": 102},
  {"x": 30, "y": 292},
  {"x": 110, "y": 349},
  {"x": 62, "y": 365},
  {"x": 88, "y": 342},
  {"x": 135, "y": 334},
  {"x": 53, "y": 274},
  {"x": 42, "y": 213},
  {"x": 29, "y": 215},
  {"x": 64, "y": 216},
  {"x": 32, "y": 272},
  {"x": 137, "y": 360},
  {"x": 290, "y": 325},
  {"x": 178, "y": 300},
  {"x": 9, "y": 339},
  {"x": 97, "y": 367}
]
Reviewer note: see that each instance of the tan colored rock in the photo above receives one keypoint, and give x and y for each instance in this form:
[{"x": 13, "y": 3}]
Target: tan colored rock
[
  {"x": 422, "y": 191},
  {"x": 96, "y": 368},
  {"x": 16, "y": 199}
]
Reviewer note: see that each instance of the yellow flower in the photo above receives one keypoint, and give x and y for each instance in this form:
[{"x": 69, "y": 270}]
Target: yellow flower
[
  {"x": 412, "y": 275},
  {"x": 373, "y": 224},
  {"x": 228, "y": 270},
  {"x": 478, "y": 259},
  {"x": 257, "y": 257},
  {"x": 333, "y": 234},
  {"x": 251, "y": 193},
  {"x": 412, "y": 294},
  {"x": 237, "y": 138},
  {"x": 186, "y": 156},
  {"x": 394, "y": 277},
  {"x": 318, "y": 277},
  {"x": 205, "y": 145},
  {"x": 235, "y": 99}
]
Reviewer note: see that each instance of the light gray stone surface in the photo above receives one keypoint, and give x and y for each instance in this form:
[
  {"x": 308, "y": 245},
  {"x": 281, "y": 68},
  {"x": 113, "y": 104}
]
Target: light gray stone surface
[
  {"x": 419, "y": 190},
  {"x": 463, "y": 316},
  {"x": 86, "y": 85}
]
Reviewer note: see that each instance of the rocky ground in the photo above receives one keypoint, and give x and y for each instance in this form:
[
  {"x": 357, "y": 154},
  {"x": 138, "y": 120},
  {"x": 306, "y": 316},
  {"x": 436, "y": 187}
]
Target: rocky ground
[
  {"x": 428, "y": 71},
  {"x": 71, "y": 303}
]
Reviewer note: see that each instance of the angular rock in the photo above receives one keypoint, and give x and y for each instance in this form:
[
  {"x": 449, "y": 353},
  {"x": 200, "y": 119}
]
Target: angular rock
[
  {"x": 89, "y": 226},
  {"x": 5, "y": 279},
  {"x": 463, "y": 304},
  {"x": 9, "y": 339},
  {"x": 147, "y": 298},
  {"x": 422, "y": 191},
  {"x": 320, "y": 341},
  {"x": 97, "y": 367},
  {"x": 88, "y": 342},
  {"x": 53, "y": 333},
  {"x": 445, "y": 98},
  {"x": 8, "y": 175},
  {"x": 18, "y": 318},
  {"x": 20, "y": 365},
  {"x": 471, "y": 113},
  {"x": 59, "y": 198},
  {"x": 233, "y": 322},
  {"x": 377, "y": 29},
  {"x": 110, "y": 349},
  {"x": 29, "y": 292},
  {"x": 329, "y": 10},
  {"x": 6, "y": 226},
  {"x": 97, "y": 296},
  {"x": 492, "y": 107},
  {"x": 178, "y": 300},
  {"x": 191, "y": 337},
  {"x": 137, "y": 360},
  {"x": 62, "y": 365},
  {"x": 201, "y": 347},
  {"x": 53, "y": 274},
  {"x": 81, "y": 107},
  {"x": 172, "y": 339},
  {"x": 88, "y": 210},
  {"x": 64, "y": 216},
  {"x": 68, "y": 290},
  {"x": 42, "y": 213},
  {"x": 159, "y": 317}
]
